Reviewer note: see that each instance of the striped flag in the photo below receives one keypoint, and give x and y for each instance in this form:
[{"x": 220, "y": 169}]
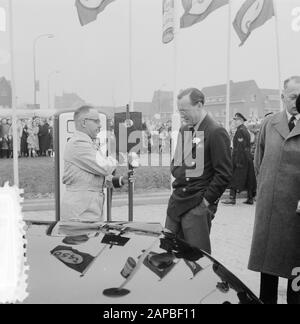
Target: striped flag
[
  {"x": 3, "y": 19},
  {"x": 88, "y": 10},
  {"x": 168, "y": 21},
  {"x": 253, "y": 14},
  {"x": 197, "y": 10}
]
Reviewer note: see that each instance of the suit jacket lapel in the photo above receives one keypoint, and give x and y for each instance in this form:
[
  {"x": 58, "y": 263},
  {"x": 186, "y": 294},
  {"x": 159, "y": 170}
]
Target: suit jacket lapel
[
  {"x": 202, "y": 127},
  {"x": 280, "y": 123}
]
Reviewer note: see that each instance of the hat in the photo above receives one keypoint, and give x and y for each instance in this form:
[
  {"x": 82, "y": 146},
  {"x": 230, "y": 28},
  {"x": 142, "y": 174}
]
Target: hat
[{"x": 240, "y": 116}]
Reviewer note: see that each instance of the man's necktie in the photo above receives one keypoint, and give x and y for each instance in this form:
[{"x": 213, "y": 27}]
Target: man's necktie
[{"x": 292, "y": 123}]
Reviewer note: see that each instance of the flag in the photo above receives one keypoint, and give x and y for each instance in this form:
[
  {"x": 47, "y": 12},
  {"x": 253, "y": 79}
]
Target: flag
[
  {"x": 253, "y": 14},
  {"x": 168, "y": 21},
  {"x": 73, "y": 259},
  {"x": 3, "y": 20},
  {"x": 198, "y": 10},
  {"x": 88, "y": 10}
]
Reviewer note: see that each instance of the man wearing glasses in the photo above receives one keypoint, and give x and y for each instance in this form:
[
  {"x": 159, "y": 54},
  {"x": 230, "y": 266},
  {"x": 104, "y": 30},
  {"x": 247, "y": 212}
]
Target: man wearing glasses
[{"x": 86, "y": 170}]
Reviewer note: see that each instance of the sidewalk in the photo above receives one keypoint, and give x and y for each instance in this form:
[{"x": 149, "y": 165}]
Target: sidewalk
[
  {"x": 155, "y": 198},
  {"x": 231, "y": 235}
]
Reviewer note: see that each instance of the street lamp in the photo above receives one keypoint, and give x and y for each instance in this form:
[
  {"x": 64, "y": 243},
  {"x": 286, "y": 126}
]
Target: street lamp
[
  {"x": 34, "y": 62},
  {"x": 49, "y": 80}
]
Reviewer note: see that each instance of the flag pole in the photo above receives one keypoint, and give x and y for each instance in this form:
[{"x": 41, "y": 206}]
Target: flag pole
[
  {"x": 278, "y": 52},
  {"x": 176, "y": 119},
  {"x": 129, "y": 109},
  {"x": 93, "y": 262},
  {"x": 14, "y": 97},
  {"x": 227, "y": 118},
  {"x": 130, "y": 59}
]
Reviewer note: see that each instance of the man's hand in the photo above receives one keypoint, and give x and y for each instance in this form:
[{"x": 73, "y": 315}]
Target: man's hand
[
  {"x": 212, "y": 209},
  {"x": 126, "y": 179}
]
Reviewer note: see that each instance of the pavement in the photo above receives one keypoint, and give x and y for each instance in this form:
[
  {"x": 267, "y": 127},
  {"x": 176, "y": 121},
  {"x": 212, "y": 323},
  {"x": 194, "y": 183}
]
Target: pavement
[
  {"x": 141, "y": 199},
  {"x": 231, "y": 232}
]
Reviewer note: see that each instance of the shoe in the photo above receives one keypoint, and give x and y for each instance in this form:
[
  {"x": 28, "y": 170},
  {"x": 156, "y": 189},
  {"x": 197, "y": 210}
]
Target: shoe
[
  {"x": 229, "y": 202},
  {"x": 249, "y": 202}
]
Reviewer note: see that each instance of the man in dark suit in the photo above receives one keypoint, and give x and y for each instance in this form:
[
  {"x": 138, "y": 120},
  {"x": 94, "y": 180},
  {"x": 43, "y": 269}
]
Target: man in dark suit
[
  {"x": 243, "y": 168},
  {"x": 202, "y": 170}
]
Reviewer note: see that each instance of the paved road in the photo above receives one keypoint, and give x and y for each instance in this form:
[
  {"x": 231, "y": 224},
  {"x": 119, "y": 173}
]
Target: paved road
[{"x": 231, "y": 235}]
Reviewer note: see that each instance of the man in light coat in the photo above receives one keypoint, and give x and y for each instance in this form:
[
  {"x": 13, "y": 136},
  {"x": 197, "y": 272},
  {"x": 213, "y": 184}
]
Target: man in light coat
[
  {"x": 276, "y": 240},
  {"x": 86, "y": 170}
]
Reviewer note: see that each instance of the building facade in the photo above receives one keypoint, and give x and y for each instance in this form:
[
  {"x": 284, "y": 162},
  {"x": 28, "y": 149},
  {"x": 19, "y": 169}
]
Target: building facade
[{"x": 5, "y": 93}]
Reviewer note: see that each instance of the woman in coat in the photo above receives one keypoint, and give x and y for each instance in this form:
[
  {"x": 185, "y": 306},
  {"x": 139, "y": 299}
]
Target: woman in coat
[
  {"x": 43, "y": 138},
  {"x": 33, "y": 140},
  {"x": 24, "y": 144}
]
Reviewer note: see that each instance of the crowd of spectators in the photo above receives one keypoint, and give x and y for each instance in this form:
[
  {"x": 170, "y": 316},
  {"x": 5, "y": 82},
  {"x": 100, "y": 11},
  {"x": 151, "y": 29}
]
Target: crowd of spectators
[
  {"x": 157, "y": 136},
  {"x": 34, "y": 137}
]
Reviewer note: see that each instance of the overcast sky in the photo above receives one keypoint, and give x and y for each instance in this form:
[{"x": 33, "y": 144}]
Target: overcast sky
[{"x": 94, "y": 60}]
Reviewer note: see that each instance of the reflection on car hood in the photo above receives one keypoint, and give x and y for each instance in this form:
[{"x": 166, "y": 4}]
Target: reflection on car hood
[{"x": 135, "y": 263}]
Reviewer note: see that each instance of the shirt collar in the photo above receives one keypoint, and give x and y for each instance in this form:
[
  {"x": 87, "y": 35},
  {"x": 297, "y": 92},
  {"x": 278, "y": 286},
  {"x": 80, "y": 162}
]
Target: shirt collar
[
  {"x": 196, "y": 127},
  {"x": 289, "y": 116},
  {"x": 83, "y": 136}
]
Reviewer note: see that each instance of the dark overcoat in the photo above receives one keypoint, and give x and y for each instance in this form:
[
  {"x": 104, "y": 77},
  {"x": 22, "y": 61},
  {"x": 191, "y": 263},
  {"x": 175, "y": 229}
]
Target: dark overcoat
[
  {"x": 243, "y": 169},
  {"x": 44, "y": 137}
]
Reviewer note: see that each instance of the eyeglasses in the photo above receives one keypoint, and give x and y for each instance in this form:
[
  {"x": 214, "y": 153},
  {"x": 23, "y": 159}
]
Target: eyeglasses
[{"x": 97, "y": 121}]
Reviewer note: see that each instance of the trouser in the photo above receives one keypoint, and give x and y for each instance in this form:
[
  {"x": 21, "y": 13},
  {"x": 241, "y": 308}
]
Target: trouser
[
  {"x": 194, "y": 227},
  {"x": 269, "y": 290},
  {"x": 233, "y": 194}
]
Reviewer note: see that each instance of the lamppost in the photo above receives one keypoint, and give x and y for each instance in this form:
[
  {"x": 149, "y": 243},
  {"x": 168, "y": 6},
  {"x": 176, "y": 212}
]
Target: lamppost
[
  {"x": 34, "y": 62},
  {"x": 49, "y": 80}
]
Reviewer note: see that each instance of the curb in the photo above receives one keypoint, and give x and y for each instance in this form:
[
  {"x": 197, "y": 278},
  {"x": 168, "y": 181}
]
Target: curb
[{"x": 160, "y": 198}]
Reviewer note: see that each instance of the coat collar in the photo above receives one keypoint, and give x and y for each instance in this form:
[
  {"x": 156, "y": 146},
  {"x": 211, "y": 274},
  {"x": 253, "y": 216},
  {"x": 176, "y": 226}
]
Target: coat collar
[
  {"x": 207, "y": 121},
  {"x": 82, "y": 136},
  {"x": 280, "y": 122}
]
